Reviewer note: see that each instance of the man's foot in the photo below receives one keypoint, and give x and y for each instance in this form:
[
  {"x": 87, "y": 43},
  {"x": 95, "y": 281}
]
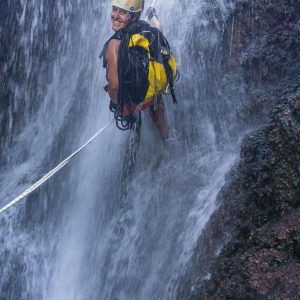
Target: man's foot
[{"x": 171, "y": 138}]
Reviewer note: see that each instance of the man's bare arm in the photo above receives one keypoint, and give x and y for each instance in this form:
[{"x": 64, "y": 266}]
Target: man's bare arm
[
  {"x": 112, "y": 67},
  {"x": 154, "y": 22}
]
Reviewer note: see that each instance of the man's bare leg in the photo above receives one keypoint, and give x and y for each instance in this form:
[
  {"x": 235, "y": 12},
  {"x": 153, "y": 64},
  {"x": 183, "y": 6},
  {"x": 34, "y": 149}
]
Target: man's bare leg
[{"x": 159, "y": 118}]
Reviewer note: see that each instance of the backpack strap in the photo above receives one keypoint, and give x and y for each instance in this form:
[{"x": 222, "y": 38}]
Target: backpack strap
[
  {"x": 170, "y": 77},
  {"x": 165, "y": 60}
]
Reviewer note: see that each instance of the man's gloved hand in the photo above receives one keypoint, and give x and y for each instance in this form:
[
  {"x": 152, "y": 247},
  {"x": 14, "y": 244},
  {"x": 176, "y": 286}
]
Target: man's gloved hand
[
  {"x": 151, "y": 12},
  {"x": 113, "y": 107}
]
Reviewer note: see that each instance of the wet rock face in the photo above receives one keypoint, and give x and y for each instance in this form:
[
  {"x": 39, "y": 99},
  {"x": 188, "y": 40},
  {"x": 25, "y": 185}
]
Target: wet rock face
[
  {"x": 261, "y": 212},
  {"x": 256, "y": 231},
  {"x": 250, "y": 248},
  {"x": 262, "y": 37}
]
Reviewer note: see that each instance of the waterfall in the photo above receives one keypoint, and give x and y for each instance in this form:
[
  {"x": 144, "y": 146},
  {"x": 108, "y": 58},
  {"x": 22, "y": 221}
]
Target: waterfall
[{"x": 122, "y": 220}]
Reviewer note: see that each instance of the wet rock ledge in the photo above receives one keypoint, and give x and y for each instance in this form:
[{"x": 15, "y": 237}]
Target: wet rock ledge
[{"x": 251, "y": 247}]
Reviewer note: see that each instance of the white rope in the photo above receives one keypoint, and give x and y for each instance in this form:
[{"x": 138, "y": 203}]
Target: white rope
[
  {"x": 153, "y": 3},
  {"x": 55, "y": 170}
]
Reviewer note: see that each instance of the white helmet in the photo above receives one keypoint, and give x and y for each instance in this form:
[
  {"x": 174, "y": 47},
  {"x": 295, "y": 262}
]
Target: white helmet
[{"x": 129, "y": 5}]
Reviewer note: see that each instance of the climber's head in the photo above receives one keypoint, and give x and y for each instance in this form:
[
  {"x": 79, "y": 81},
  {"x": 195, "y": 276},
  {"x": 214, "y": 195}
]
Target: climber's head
[{"x": 125, "y": 12}]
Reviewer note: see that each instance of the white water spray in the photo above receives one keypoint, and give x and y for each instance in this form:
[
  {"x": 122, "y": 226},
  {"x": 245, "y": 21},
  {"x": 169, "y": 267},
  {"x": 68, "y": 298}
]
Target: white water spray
[{"x": 105, "y": 229}]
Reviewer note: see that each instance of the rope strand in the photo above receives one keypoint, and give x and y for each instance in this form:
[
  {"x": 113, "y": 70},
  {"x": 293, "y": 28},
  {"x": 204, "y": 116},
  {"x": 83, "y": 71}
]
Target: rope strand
[{"x": 55, "y": 170}]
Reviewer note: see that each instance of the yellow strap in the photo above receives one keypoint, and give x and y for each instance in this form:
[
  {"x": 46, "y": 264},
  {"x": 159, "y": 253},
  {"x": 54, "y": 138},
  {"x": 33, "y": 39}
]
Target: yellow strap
[{"x": 139, "y": 40}]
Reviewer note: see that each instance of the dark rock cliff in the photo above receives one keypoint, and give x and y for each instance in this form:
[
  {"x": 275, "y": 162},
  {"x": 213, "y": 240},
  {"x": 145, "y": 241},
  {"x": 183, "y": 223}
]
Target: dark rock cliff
[{"x": 251, "y": 247}]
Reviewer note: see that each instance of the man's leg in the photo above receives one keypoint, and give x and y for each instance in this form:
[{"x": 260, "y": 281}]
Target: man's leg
[{"x": 159, "y": 118}]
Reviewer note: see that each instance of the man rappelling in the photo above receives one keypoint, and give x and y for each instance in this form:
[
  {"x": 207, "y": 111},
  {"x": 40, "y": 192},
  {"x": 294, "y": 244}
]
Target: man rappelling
[
  {"x": 140, "y": 66},
  {"x": 140, "y": 69}
]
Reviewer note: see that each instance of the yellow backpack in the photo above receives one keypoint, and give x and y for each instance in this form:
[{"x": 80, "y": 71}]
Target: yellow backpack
[{"x": 147, "y": 67}]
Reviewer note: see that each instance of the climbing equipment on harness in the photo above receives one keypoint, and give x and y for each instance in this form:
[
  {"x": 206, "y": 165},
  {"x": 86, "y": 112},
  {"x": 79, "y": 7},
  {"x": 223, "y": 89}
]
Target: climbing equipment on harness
[
  {"x": 124, "y": 121},
  {"x": 129, "y": 5},
  {"x": 147, "y": 69}
]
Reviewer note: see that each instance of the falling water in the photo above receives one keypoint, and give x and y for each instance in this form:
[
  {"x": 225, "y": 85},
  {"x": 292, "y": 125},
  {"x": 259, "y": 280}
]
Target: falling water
[{"x": 106, "y": 227}]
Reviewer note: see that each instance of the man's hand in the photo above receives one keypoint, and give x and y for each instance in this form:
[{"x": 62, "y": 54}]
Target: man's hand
[
  {"x": 153, "y": 19},
  {"x": 151, "y": 12},
  {"x": 113, "y": 107}
]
